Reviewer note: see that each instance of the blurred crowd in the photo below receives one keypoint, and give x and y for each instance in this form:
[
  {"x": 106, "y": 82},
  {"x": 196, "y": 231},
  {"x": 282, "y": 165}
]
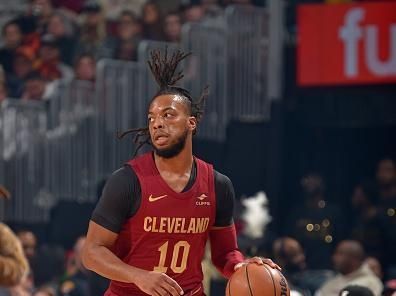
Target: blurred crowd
[
  {"x": 63, "y": 40},
  {"x": 45, "y": 270},
  {"x": 325, "y": 246}
]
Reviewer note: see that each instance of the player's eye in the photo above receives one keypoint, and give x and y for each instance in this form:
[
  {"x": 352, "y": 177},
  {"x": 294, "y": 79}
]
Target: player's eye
[
  {"x": 168, "y": 115},
  {"x": 150, "y": 119}
]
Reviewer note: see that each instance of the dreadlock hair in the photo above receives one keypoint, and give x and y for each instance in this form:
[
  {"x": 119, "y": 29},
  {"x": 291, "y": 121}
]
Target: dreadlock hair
[{"x": 163, "y": 67}]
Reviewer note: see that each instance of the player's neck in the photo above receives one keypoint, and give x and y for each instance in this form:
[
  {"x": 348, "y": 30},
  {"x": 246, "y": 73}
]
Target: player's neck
[{"x": 179, "y": 164}]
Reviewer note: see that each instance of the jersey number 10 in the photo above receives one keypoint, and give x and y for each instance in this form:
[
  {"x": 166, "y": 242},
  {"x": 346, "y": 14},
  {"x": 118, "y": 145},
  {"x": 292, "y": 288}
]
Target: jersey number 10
[{"x": 176, "y": 268}]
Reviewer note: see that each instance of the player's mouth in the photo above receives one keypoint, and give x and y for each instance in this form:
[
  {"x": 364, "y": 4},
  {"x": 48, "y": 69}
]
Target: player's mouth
[{"x": 161, "y": 138}]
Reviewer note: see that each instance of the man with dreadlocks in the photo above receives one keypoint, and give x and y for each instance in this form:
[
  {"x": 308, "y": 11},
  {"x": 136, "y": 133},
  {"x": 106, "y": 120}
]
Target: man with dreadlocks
[{"x": 149, "y": 229}]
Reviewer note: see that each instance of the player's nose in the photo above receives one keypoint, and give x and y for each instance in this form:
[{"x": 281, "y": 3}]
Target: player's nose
[{"x": 158, "y": 122}]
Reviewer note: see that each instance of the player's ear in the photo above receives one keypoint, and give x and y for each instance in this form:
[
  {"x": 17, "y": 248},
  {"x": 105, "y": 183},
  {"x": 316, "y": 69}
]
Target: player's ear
[{"x": 192, "y": 122}]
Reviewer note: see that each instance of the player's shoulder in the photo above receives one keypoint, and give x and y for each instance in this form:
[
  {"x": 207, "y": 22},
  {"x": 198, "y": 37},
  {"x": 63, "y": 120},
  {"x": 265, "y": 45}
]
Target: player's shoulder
[
  {"x": 221, "y": 177},
  {"x": 144, "y": 158},
  {"x": 222, "y": 180},
  {"x": 123, "y": 175},
  {"x": 123, "y": 172}
]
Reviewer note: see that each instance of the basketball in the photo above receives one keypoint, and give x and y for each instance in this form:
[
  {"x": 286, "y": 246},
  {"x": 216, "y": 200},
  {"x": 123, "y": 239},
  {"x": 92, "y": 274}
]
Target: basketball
[{"x": 257, "y": 280}]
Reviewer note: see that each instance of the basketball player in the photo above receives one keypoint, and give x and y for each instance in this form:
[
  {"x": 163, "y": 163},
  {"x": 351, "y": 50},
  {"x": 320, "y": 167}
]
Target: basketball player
[{"x": 149, "y": 229}]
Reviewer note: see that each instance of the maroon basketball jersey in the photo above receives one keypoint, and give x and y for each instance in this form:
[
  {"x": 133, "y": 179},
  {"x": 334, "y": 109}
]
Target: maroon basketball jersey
[{"x": 169, "y": 231}]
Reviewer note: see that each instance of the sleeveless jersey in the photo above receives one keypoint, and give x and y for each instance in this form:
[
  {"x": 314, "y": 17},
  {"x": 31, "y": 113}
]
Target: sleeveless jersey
[{"x": 169, "y": 231}]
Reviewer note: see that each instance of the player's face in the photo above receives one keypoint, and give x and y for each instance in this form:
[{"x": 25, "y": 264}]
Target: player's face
[{"x": 170, "y": 124}]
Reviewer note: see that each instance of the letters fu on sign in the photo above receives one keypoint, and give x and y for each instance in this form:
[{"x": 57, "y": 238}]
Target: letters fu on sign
[{"x": 346, "y": 44}]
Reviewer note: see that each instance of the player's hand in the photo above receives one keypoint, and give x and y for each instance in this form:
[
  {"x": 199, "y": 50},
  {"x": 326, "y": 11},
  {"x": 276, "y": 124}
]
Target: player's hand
[
  {"x": 259, "y": 261},
  {"x": 158, "y": 284}
]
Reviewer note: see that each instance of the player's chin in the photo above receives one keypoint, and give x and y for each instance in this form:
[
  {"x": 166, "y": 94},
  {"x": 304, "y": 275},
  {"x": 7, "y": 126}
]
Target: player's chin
[
  {"x": 162, "y": 147},
  {"x": 162, "y": 150}
]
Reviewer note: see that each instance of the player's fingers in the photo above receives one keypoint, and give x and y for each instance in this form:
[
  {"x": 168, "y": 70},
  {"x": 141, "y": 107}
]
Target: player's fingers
[
  {"x": 155, "y": 293},
  {"x": 175, "y": 285},
  {"x": 239, "y": 265},
  {"x": 257, "y": 260},
  {"x": 170, "y": 290},
  {"x": 271, "y": 263},
  {"x": 161, "y": 291}
]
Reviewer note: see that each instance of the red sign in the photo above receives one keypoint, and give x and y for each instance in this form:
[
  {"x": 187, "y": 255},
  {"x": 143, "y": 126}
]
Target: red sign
[{"x": 346, "y": 43}]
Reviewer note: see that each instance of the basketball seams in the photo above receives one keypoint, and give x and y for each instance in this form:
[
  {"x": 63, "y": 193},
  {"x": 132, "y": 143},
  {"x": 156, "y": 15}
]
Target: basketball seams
[
  {"x": 229, "y": 287},
  {"x": 257, "y": 281},
  {"x": 247, "y": 278},
  {"x": 273, "y": 281}
]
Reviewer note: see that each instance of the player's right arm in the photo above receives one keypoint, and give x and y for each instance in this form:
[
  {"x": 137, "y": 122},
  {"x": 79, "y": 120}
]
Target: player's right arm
[
  {"x": 98, "y": 257},
  {"x": 113, "y": 208}
]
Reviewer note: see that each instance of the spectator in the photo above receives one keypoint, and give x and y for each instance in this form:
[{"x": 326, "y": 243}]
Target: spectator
[
  {"x": 22, "y": 66},
  {"x": 35, "y": 87},
  {"x": 35, "y": 21},
  {"x": 29, "y": 243},
  {"x": 193, "y": 12},
  {"x": 2, "y": 74},
  {"x": 316, "y": 224},
  {"x": 113, "y": 8},
  {"x": 70, "y": 6},
  {"x": 152, "y": 23},
  {"x": 17, "y": 291},
  {"x": 76, "y": 281},
  {"x": 13, "y": 264},
  {"x": 92, "y": 30},
  {"x": 367, "y": 226},
  {"x": 348, "y": 261},
  {"x": 390, "y": 288},
  {"x": 3, "y": 88},
  {"x": 48, "y": 268},
  {"x": 79, "y": 281},
  {"x": 45, "y": 291},
  {"x": 386, "y": 183},
  {"x": 242, "y": 2},
  {"x": 12, "y": 38},
  {"x": 129, "y": 35},
  {"x": 355, "y": 290},
  {"x": 211, "y": 7},
  {"x": 173, "y": 27},
  {"x": 124, "y": 45},
  {"x": 51, "y": 67},
  {"x": 42, "y": 11},
  {"x": 24, "y": 288},
  {"x": 61, "y": 28},
  {"x": 386, "y": 180},
  {"x": 3, "y": 92},
  {"x": 375, "y": 266},
  {"x": 85, "y": 68},
  {"x": 289, "y": 255}
]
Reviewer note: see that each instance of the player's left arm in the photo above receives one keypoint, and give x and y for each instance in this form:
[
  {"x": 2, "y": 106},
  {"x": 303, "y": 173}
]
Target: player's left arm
[{"x": 225, "y": 253}]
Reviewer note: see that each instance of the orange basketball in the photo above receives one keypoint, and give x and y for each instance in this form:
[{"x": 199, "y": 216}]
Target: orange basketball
[{"x": 257, "y": 280}]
